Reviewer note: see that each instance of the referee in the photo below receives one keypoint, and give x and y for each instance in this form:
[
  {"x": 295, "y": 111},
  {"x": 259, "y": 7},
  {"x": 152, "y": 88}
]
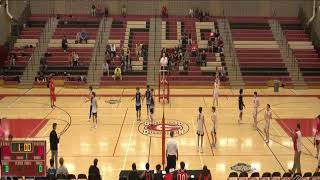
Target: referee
[{"x": 172, "y": 152}]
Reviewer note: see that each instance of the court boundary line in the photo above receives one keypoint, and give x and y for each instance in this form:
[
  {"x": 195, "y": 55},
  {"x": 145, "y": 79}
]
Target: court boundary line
[{"x": 124, "y": 118}]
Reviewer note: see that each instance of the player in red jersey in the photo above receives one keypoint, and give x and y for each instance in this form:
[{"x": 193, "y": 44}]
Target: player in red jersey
[
  {"x": 182, "y": 173},
  {"x": 317, "y": 136},
  {"x": 52, "y": 92},
  {"x": 169, "y": 175}
]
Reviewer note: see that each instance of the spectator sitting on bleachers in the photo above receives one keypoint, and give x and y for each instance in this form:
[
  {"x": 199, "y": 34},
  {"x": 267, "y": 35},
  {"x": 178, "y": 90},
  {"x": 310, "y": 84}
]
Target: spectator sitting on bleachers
[
  {"x": 83, "y": 36},
  {"x": 134, "y": 173},
  {"x": 191, "y": 13},
  {"x": 41, "y": 78},
  {"x": 75, "y": 59},
  {"x": 94, "y": 172},
  {"x": 105, "y": 67},
  {"x": 194, "y": 49},
  {"x": 189, "y": 39},
  {"x": 64, "y": 43},
  {"x": 124, "y": 11},
  {"x": 117, "y": 73},
  {"x": 158, "y": 174},
  {"x": 164, "y": 11},
  {"x": 12, "y": 59},
  {"x": 221, "y": 49},
  {"x": 93, "y": 10},
  {"x": 205, "y": 174},
  {"x": 62, "y": 169},
  {"x": 147, "y": 174},
  {"x": 203, "y": 58},
  {"x": 51, "y": 171}
]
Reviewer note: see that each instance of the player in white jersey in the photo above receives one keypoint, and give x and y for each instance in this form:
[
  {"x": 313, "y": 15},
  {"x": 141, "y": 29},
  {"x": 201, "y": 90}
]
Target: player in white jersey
[
  {"x": 256, "y": 105},
  {"x": 94, "y": 110},
  {"x": 267, "y": 118},
  {"x": 216, "y": 91},
  {"x": 200, "y": 130},
  {"x": 214, "y": 120}
]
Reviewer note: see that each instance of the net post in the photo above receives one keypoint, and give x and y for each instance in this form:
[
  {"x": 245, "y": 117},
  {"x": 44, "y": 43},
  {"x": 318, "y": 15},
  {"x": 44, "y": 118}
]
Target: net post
[{"x": 163, "y": 141}]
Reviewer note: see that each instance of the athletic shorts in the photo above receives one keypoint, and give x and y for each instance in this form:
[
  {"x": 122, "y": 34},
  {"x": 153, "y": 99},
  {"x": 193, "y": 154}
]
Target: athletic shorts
[
  {"x": 200, "y": 133},
  {"x": 214, "y": 131},
  {"x": 255, "y": 112},
  {"x": 138, "y": 108},
  {"x": 151, "y": 111},
  {"x": 95, "y": 114}
]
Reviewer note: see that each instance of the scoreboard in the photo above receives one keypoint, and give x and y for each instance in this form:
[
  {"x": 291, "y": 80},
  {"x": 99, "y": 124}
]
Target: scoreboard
[{"x": 23, "y": 158}]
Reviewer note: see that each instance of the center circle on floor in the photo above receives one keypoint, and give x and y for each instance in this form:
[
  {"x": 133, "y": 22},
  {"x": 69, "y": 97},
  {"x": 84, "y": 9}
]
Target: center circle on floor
[{"x": 155, "y": 129}]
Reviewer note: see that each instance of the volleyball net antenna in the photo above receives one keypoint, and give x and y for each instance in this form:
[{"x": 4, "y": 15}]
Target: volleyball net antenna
[{"x": 163, "y": 94}]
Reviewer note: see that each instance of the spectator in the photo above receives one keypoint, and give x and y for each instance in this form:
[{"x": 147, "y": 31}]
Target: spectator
[
  {"x": 105, "y": 68},
  {"x": 106, "y": 12},
  {"x": 77, "y": 38},
  {"x": 124, "y": 11},
  {"x": 221, "y": 49},
  {"x": 164, "y": 11},
  {"x": 13, "y": 58},
  {"x": 117, "y": 73},
  {"x": 172, "y": 152},
  {"x": 94, "y": 172},
  {"x": 297, "y": 150},
  {"x": 147, "y": 174},
  {"x": 93, "y": 10},
  {"x": 203, "y": 58},
  {"x": 191, "y": 12},
  {"x": 75, "y": 59},
  {"x": 54, "y": 141},
  {"x": 64, "y": 43},
  {"x": 51, "y": 172},
  {"x": 113, "y": 50},
  {"x": 41, "y": 78},
  {"x": 189, "y": 39},
  {"x": 62, "y": 169},
  {"x": 99, "y": 12},
  {"x": 128, "y": 56},
  {"x": 205, "y": 174},
  {"x": 158, "y": 174},
  {"x": 83, "y": 36},
  {"x": 43, "y": 63},
  {"x": 194, "y": 49},
  {"x": 163, "y": 61},
  {"x": 134, "y": 173}
]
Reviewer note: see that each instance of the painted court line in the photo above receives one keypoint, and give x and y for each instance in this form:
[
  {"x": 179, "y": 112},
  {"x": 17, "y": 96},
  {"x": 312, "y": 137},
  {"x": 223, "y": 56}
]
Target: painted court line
[{"x": 115, "y": 148}]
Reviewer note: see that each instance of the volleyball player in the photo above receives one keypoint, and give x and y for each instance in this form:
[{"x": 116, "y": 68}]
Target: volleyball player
[
  {"x": 94, "y": 110},
  {"x": 52, "y": 93},
  {"x": 256, "y": 105},
  {"x": 147, "y": 95},
  {"x": 90, "y": 99},
  {"x": 317, "y": 136},
  {"x": 200, "y": 130},
  {"x": 151, "y": 106},
  {"x": 267, "y": 118},
  {"x": 138, "y": 103},
  {"x": 214, "y": 127},
  {"x": 241, "y": 105},
  {"x": 216, "y": 91}
]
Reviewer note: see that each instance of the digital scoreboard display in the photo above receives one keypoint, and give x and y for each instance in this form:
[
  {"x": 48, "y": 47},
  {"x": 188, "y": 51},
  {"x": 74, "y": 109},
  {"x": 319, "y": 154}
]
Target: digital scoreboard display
[{"x": 23, "y": 158}]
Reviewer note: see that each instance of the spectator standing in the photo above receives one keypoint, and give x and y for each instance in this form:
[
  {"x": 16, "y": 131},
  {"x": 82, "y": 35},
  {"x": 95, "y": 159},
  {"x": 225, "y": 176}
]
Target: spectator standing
[
  {"x": 64, "y": 43},
  {"x": 105, "y": 68},
  {"x": 203, "y": 58},
  {"x": 54, "y": 141},
  {"x": 172, "y": 152},
  {"x": 94, "y": 172},
  {"x": 134, "y": 173},
  {"x": 93, "y": 10},
  {"x": 51, "y": 172},
  {"x": 124, "y": 11},
  {"x": 62, "y": 169},
  {"x": 297, "y": 150}
]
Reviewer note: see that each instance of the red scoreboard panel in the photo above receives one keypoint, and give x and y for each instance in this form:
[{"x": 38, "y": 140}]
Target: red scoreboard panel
[{"x": 23, "y": 158}]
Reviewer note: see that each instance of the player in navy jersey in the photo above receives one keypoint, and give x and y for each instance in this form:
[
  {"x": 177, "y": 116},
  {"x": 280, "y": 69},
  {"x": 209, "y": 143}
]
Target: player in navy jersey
[
  {"x": 182, "y": 173},
  {"x": 151, "y": 106},
  {"x": 148, "y": 99},
  {"x": 241, "y": 105},
  {"x": 138, "y": 103}
]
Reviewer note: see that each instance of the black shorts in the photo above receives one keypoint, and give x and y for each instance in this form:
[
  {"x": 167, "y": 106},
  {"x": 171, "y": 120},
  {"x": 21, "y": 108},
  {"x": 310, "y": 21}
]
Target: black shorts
[
  {"x": 95, "y": 114},
  {"x": 240, "y": 108},
  {"x": 138, "y": 108},
  {"x": 199, "y": 134},
  {"x": 151, "y": 111}
]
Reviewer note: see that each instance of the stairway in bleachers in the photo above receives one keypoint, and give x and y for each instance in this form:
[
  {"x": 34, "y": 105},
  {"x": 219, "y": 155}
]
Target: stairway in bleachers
[{"x": 303, "y": 49}]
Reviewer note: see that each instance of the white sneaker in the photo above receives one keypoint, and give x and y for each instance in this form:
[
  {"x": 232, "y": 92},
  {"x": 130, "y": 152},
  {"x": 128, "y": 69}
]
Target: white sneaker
[
  {"x": 201, "y": 150},
  {"x": 96, "y": 126}
]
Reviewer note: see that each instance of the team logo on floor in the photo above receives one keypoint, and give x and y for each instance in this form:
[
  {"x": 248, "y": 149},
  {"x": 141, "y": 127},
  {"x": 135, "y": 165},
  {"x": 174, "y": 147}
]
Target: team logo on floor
[
  {"x": 242, "y": 167},
  {"x": 155, "y": 130}
]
